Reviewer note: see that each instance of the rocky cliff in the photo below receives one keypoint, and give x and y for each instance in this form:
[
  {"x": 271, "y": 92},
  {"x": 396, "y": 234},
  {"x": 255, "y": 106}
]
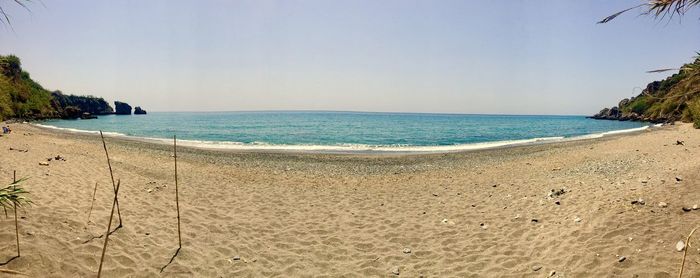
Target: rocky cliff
[
  {"x": 71, "y": 106},
  {"x": 674, "y": 98}
]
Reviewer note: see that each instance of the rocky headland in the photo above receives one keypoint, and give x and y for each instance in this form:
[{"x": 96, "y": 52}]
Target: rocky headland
[
  {"x": 676, "y": 98},
  {"x": 23, "y": 98}
]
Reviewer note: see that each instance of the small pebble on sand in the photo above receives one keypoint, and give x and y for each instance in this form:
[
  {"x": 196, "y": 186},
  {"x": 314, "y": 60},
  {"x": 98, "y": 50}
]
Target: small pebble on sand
[
  {"x": 395, "y": 270},
  {"x": 680, "y": 246}
]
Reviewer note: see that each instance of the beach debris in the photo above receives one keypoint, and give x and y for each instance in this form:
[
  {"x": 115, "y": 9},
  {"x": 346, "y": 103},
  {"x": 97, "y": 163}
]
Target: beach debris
[
  {"x": 663, "y": 204},
  {"x": 680, "y": 143},
  {"x": 644, "y": 181},
  {"x": 551, "y": 273},
  {"x": 19, "y": 150},
  {"x": 556, "y": 169},
  {"x": 621, "y": 259},
  {"x": 435, "y": 194},
  {"x": 59, "y": 158},
  {"x": 407, "y": 250},
  {"x": 395, "y": 270},
  {"x": 686, "y": 209},
  {"x": 695, "y": 207},
  {"x": 557, "y": 202},
  {"x": 446, "y": 221},
  {"x": 536, "y": 267},
  {"x": 630, "y": 239},
  {"x": 679, "y": 178},
  {"x": 535, "y": 220},
  {"x": 44, "y": 163},
  {"x": 555, "y": 193},
  {"x": 483, "y": 226},
  {"x": 577, "y": 219},
  {"x": 680, "y": 246},
  {"x": 236, "y": 258},
  {"x": 639, "y": 201}
]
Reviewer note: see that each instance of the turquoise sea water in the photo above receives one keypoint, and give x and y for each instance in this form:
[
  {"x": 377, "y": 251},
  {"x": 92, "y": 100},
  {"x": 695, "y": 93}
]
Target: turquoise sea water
[{"x": 346, "y": 130}]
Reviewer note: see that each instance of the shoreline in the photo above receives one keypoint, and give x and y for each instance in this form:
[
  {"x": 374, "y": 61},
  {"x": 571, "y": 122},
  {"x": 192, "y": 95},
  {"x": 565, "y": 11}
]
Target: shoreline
[{"x": 352, "y": 149}]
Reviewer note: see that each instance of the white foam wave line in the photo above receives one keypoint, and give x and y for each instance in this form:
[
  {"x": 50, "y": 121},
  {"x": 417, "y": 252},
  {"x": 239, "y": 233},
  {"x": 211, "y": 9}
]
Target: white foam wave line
[{"x": 262, "y": 146}]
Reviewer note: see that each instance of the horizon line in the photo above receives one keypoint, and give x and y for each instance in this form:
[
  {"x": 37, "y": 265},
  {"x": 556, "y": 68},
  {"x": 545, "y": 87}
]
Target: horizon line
[{"x": 357, "y": 111}]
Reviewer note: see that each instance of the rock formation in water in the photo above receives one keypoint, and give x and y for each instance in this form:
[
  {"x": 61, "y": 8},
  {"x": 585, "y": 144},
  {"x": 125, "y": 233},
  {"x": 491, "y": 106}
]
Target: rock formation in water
[
  {"x": 139, "y": 111},
  {"x": 122, "y": 108}
]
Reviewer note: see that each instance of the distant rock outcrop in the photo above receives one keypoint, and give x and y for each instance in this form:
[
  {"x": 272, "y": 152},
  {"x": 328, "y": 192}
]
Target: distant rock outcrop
[
  {"x": 122, "y": 108},
  {"x": 139, "y": 111}
]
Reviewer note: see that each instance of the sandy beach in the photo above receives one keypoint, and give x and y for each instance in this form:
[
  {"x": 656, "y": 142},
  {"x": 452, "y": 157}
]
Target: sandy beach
[{"x": 484, "y": 213}]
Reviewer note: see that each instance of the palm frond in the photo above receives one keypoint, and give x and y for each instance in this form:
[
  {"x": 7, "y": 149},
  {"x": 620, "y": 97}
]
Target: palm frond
[
  {"x": 659, "y": 8},
  {"x": 13, "y": 195}
]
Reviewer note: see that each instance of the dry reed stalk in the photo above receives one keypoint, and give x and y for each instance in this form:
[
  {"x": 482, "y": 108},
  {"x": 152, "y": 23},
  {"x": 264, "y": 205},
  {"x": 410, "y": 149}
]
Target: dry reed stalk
[
  {"x": 177, "y": 205},
  {"x": 14, "y": 181},
  {"x": 109, "y": 226},
  {"x": 687, "y": 245},
  {"x": 92, "y": 203},
  {"x": 111, "y": 174},
  {"x": 177, "y": 194}
]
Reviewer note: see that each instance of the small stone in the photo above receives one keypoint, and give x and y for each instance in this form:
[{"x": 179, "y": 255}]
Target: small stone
[
  {"x": 680, "y": 246},
  {"x": 149, "y": 190},
  {"x": 557, "y": 203},
  {"x": 663, "y": 204},
  {"x": 435, "y": 195},
  {"x": 407, "y": 250},
  {"x": 695, "y": 207},
  {"x": 686, "y": 209},
  {"x": 577, "y": 220},
  {"x": 44, "y": 163},
  {"x": 679, "y": 178},
  {"x": 536, "y": 268},
  {"x": 551, "y": 273},
  {"x": 395, "y": 270},
  {"x": 535, "y": 220},
  {"x": 236, "y": 258},
  {"x": 644, "y": 181},
  {"x": 621, "y": 259}
]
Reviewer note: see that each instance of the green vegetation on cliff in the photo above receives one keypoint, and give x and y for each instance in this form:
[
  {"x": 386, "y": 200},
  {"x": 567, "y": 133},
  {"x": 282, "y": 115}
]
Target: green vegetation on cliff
[
  {"x": 674, "y": 98},
  {"x": 21, "y": 97}
]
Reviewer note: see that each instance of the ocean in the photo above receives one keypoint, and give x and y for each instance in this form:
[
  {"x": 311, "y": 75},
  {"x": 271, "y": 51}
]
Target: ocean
[{"x": 347, "y": 131}]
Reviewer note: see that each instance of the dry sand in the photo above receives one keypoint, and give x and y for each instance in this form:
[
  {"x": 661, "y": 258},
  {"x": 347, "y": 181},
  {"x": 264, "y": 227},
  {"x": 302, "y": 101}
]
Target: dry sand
[{"x": 294, "y": 215}]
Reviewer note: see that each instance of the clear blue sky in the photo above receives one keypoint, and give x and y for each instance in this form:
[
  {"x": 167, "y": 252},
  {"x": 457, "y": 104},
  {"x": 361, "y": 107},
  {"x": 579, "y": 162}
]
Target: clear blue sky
[{"x": 514, "y": 57}]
